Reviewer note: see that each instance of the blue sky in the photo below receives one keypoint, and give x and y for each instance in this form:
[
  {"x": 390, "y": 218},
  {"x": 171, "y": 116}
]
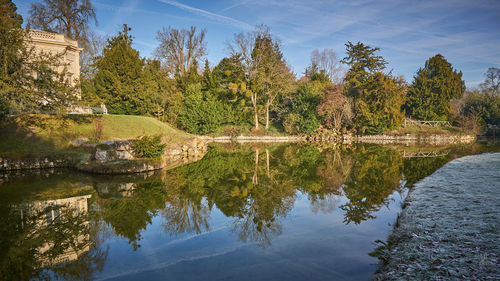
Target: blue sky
[{"x": 466, "y": 32}]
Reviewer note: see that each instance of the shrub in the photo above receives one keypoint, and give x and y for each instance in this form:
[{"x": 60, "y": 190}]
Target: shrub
[
  {"x": 149, "y": 147},
  {"x": 4, "y": 107},
  {"x": 98, "y": 128},
  {"x": 290, "y": 123}
]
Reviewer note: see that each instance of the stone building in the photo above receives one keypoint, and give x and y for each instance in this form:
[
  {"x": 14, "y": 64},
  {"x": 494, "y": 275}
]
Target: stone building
[
  {"x": 54, "y": 43},
  {"x": 58, "y": 44}
]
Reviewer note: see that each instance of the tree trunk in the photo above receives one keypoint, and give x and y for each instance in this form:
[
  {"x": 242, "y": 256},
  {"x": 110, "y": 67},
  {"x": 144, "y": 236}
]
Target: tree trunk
[
  {"x": 255, "y": 113},
  {"x": 256, "y": 118},
  {"x": 267, "y": 115}
]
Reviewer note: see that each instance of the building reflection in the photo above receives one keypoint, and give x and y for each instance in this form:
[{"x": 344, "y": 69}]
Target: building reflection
[{"x": 58, "y": 217}]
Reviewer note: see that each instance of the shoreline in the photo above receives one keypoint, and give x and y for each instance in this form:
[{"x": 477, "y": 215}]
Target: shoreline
[
  {"x": 195, "y": 147},
  {"x": 448, "y": 225}
]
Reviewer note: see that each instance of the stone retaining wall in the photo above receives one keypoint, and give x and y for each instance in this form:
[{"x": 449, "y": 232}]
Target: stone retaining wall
[
  {"x": 39, "y": 162},
  {"x": 112, "y": 157},
  {"x": 117, "y": 157}
]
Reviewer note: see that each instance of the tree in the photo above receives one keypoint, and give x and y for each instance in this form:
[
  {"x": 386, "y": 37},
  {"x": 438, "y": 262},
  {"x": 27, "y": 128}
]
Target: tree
[
  {"x": 334, "y": 106},
  {"x": 180, "y": 50},
  {"x": 122, "y": 81},
  {"x": 273, "y": 76},
  {"x": 231, "y": 88},
  {"x": 302, "y": 116},
  {"x": 202, "y": 113},
  {"x": 432, "y": 89},
  {"x": 482, "y": 107},
  {"x": 11, "y": 44},
  {"x": 266, "y": 72},
  {"x": 363, "y": 62},
  {"x": 326, "y": 60},
  {"x": 70, "y": 17},
  {"x": 378, "y": 106},
  {"x": 243, "y": 46},
  {"x": 377, "y": 97},
  {"x": 492, "y": 81},
  {"x": 92, "y": 52}
]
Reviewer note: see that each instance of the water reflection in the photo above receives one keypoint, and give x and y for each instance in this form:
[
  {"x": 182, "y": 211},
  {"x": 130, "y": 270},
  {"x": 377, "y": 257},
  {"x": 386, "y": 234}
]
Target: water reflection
[
  {"x": 55, "y": 226},
  {"x": 49, "y": 234}
]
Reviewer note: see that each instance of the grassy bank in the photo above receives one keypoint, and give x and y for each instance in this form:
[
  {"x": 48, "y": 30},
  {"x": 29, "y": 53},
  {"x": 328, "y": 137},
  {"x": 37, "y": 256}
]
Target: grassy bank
[
  {"x": 428, "y": 131},
  {"x": 50, "y": 134}
]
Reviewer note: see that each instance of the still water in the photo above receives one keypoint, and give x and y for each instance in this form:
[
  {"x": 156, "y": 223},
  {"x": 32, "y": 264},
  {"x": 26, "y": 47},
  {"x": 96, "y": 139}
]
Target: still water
[{"x": 243, "y": 212}]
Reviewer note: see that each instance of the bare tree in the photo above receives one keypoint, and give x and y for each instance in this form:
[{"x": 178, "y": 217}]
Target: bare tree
[
  {"x": 90, "y": 53},
  {"x": 327, "y": 61},
  {"x": 492, "y": 82},
  {"x": 333, "y": 106},
  {"x": 180, "y": 49},
  {"x": 70, "y": 17}
]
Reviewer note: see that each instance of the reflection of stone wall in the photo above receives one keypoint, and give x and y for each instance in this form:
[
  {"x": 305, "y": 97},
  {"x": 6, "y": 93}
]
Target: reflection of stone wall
[{"x": 409, "y": 139}]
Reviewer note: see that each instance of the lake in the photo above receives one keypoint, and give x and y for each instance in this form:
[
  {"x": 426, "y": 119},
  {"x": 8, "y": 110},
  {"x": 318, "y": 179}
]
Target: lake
[{"x": 243, "y": 212}]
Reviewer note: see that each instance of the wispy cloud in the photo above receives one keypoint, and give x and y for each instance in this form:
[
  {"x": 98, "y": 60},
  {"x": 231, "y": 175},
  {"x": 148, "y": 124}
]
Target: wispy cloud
[{"x": 210, "y": 15}]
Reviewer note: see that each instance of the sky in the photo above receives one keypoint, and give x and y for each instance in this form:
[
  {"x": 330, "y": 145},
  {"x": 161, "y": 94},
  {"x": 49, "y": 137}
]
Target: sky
[{"x": 466, "y": 32}]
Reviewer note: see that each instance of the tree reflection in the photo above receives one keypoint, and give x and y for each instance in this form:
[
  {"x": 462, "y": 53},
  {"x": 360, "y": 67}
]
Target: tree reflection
[
  {"x": 242, "y": 183},
  {"x": 376, "y": 173},
  {"x": 256, "y": 186},
  {"x": 131, "y": 214}
]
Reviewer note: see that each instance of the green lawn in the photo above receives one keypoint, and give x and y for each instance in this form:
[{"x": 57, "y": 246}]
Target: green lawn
[{"x": 41, "y": 134}]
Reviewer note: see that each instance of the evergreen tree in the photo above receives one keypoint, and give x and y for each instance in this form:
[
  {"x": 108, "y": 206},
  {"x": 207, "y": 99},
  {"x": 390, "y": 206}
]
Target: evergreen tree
[
  {"x": 377, "y": 97},
  {"x": 378, "y": 106},
  {"x": 302, "y": 117},
  {"x": 432, "y": 89},
  {"x": 202, "y": 113},
  {"x": 11, "y": 44},
  {"x": 363, "y": 62},
  {"x": 208, "y": 81},
  {"x": 123, "y": 81}
]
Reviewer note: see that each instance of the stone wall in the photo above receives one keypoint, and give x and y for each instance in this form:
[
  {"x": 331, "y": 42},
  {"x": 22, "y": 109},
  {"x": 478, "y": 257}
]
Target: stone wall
[
  {"x": 111, "y": 157},
  {"x": 39, "y": 162},
  {"x": 117, "y": 157}
]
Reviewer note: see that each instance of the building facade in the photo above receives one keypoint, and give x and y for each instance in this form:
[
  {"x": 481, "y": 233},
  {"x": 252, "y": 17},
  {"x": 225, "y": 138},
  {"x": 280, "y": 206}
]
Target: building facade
[
  {"x": 58, "y": 44},
  {"x": 44, "y": 42}
]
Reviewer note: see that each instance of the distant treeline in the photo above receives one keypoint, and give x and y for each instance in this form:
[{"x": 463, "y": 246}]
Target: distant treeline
[{"x": 253, "y": 88}]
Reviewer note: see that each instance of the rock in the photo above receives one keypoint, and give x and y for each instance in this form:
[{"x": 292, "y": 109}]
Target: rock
[
  {"x": 124, "y": 155},
  {"x": 101, "y": 155},
  {"x": 78, "y": 142}
]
